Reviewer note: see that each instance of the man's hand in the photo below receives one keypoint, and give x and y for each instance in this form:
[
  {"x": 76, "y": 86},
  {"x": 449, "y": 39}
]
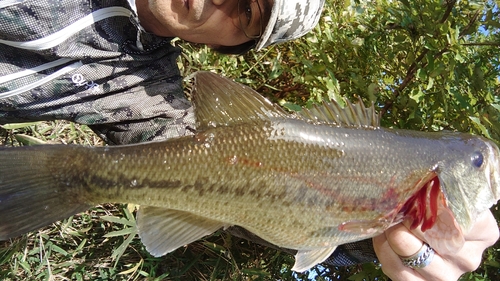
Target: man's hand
[{"x": 400, "y": 241}]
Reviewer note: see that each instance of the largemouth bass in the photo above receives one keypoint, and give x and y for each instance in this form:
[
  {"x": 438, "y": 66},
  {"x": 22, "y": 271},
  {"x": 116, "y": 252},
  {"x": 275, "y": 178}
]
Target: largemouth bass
[{"x": 309, "y": 181}]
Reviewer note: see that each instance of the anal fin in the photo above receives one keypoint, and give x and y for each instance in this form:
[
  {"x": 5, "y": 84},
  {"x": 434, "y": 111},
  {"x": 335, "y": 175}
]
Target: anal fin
[
  {"x": 164, "y": 230},
  {"x": 305, "y": 259}
]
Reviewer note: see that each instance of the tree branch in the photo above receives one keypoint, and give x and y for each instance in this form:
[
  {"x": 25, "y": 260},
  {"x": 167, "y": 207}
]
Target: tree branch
[
  {"x": 410, "y": 74},
  {"x": 497, "y": 44}
]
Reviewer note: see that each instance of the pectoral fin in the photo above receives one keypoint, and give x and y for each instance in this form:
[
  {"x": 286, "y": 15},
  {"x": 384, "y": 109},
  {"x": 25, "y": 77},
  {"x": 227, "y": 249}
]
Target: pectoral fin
[
  {"x": 164, "y": 230},
  {"x": 305, "y": 259},
  {"x": 445, "y": 236}
]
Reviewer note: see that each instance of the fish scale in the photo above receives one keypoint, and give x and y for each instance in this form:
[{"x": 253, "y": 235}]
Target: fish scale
[{"x": 308, "y": 181}]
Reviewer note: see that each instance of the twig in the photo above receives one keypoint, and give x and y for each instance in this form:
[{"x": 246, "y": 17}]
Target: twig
[{"x": 410, "y": 74}]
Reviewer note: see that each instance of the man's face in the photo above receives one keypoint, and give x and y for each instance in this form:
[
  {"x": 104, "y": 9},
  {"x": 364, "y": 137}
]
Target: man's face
[{"x": 213, "y": 22}]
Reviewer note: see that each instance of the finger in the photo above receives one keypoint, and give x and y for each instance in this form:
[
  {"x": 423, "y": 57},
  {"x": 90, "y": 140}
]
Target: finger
[
  {"x": 483, "y": 234},
  {"x": 485, "y": 229},
  {"x": 403, "y": 243},
  {"x": 399, "y": 240},
  {"x": 391, "y": 263}
]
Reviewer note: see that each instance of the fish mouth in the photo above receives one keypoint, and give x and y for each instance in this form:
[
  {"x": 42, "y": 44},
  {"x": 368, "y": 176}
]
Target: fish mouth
[
  {"x": 494, "y": 170},
  {"x": 422, "y": 207}
]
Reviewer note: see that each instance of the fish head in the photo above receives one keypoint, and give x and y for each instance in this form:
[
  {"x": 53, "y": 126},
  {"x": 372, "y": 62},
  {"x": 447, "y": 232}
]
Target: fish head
[{"x": 469, "y": 177}]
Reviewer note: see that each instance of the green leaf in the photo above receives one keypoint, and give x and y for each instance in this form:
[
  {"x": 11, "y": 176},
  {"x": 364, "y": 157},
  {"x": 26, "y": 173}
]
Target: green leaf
[
  {"x": 123, "y": 232},
  {"x": 59, "y": 250},
  {"x": 400, "y": 38},
  {"x": 291, "y": 106},
  {"x": 118, "y": 252},
  {"x": 255, "y": 272},
  {"x": 133, "y": 269},
  {"x": 119, "y": 220},
  {"x": 14, "y": 126},
  {"x": 417, "y": 95},
  {"x": 28, "y": 140},
  {"x": 477, "y": 122},
  {"x": 430, "y": 84}
]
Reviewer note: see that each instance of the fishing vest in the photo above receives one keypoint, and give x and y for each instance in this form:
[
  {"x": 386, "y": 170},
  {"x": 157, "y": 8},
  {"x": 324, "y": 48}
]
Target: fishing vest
[{"x": 89, "y": 62}]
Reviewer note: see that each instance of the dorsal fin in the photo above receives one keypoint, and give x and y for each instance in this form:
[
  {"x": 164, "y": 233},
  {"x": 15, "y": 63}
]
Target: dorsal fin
[
  {"x": 219, "y": 101},
  {"x": 352, "y": 115}
]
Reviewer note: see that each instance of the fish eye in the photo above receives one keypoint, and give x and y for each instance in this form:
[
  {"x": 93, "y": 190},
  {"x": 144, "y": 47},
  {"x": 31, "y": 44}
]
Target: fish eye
[{"x": 477, "y": 159}]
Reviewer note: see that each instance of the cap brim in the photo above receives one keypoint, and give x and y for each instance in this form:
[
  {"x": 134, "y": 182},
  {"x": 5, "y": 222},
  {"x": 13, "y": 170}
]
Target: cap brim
[{"x": 270, "y": 25}]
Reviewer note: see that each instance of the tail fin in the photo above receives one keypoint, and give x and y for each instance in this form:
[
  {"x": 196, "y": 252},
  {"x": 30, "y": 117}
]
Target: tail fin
[{"x": 32, "y": 194}]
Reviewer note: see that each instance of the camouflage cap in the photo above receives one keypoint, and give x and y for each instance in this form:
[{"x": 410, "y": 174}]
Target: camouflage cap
[{"x": 290, "y": 19}]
